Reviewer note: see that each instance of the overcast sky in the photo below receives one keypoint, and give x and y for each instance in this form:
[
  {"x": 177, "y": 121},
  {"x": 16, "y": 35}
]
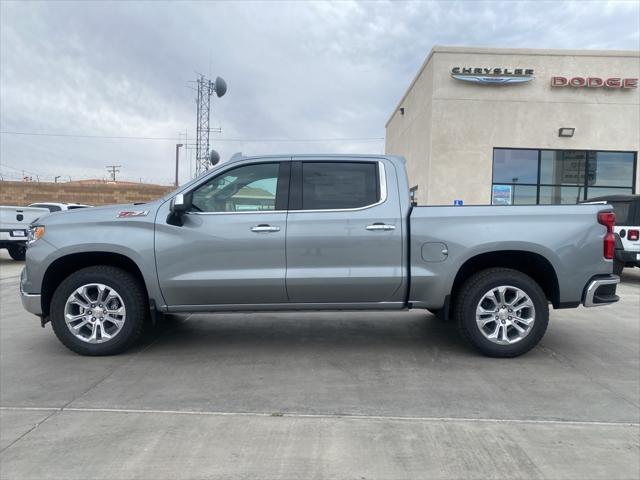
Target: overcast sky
[{"x": 296, "y": 71}]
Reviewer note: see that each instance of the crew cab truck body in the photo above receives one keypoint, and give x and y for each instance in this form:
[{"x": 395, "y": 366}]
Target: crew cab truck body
[{"x": 315, "y": 233}]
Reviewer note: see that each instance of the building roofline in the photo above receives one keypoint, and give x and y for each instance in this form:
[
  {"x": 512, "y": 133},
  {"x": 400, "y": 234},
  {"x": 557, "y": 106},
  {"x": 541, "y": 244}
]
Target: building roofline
[
  {"x": 537, "y": 51},
  {"x": 547, "y": 52}
]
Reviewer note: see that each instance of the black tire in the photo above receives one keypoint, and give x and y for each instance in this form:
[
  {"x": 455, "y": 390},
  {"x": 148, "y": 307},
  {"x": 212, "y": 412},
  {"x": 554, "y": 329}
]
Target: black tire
[
  {"x": 132, "y": 294},
  {"x": 618, "y": 266},
  {"x": 472, "y": 291},
  {"x": 17, "y": 252}
]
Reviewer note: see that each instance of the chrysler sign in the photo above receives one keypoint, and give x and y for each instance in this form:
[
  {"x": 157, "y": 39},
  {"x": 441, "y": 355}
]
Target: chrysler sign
[
  {"x": 594, "y": 82},
  {"x": 499, "y": 76}
]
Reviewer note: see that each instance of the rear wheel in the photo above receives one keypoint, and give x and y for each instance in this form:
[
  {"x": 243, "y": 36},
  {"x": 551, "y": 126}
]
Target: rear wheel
[
  {"x": 17, "y": 252},
  {"x": 98, "y": 310},
  {"x": 502, "y": 312}
]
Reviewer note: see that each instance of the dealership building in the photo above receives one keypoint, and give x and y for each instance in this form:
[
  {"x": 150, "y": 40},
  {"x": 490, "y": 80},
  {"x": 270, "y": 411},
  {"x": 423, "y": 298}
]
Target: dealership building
[{"x": 519, "y": 126}]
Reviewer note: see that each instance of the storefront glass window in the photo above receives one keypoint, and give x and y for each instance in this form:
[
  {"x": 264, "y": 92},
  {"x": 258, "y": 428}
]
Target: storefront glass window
[
  {"x": 557, "y": 194},
  {"x": 515, "y": 166},
  {"x": 562, "y": 167},
  {"x": 611, "y": 169},
  {"x": 524, "y": 195},
  {"x": 559, "y": 176},
  {"x": 602, "y": 191}
]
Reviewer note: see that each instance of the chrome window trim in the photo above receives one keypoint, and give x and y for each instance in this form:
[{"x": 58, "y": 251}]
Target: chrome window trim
[
  {"x": 383, "y": 194},
  {"x": 235, "y": 213},
  {"x": 383, "y": 197}
]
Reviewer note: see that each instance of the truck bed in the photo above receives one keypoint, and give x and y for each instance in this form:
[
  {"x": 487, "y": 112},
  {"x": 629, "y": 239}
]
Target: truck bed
[{"x": 443, "y": 239}]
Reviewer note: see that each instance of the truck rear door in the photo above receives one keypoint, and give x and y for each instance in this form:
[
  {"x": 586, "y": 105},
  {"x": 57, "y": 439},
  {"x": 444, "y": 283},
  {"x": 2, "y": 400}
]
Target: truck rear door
[{"x": 344, "y": 234}]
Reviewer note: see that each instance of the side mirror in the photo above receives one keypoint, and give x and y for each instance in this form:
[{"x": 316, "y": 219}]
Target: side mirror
[{"x": 180, "y": 204}]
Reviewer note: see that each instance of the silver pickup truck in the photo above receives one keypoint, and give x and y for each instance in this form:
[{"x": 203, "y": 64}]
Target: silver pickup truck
[{"x": 315, "y": 233}]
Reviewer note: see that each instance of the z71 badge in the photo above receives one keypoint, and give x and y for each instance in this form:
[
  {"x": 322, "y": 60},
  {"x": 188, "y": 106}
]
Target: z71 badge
[{"x": 133, "y": 213}]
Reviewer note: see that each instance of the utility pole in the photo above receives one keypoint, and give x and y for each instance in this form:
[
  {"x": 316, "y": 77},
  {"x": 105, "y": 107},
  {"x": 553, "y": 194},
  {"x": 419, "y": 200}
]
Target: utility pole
[
  {"x": 178, "y": 145},
  {"x": 205, "y": 89},
  {"x": 113, "y": 169}
]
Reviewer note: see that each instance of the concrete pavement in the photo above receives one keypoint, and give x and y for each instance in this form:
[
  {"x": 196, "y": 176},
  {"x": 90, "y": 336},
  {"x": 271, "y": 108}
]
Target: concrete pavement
[{"x": 327, "y": 395}]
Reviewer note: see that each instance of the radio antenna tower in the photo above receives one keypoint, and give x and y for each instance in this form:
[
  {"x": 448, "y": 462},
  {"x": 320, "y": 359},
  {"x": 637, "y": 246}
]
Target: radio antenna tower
[{"x": 206, "y": 88}]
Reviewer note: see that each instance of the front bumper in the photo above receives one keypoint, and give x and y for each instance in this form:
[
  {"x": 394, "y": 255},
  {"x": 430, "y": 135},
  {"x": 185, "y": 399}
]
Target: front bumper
[
  {"x": 31, "y": 302},
  {"x": 601, "y": 290}
]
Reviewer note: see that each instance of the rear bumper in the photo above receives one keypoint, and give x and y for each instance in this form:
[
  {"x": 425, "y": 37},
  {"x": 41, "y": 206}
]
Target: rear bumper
[
  {"x": 628, "y": 257},
  {"x": 601, "y": 290},
  {"x": 17, "y": 235}
]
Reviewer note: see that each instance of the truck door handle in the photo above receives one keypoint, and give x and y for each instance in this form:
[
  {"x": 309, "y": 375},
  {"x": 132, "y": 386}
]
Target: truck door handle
[
  {"x": 380, "y": 227},
  {"x": 263, "y": 228}
]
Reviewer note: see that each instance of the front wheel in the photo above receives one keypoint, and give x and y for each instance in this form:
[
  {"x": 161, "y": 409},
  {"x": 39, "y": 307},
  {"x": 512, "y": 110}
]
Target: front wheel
[
  {"x": 502, "y": 312},
  {"x": 17, "y": 252},
  {"x": 99, "y": 310}
]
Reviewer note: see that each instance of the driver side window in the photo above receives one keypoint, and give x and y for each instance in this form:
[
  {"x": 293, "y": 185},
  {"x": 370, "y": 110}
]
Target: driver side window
[{"x": 249, "y": 188}]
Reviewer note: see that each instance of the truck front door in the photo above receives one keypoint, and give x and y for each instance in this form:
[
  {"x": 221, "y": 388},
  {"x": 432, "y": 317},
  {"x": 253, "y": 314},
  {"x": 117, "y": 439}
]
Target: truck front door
[
  {"x": 344, "y": 234},
  {"x": 230, "y": 249}
]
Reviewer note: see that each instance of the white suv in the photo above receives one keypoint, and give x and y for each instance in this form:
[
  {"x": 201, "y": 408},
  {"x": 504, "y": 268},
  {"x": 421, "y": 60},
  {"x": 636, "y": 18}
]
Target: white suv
[{"x": 627, "y": 229}]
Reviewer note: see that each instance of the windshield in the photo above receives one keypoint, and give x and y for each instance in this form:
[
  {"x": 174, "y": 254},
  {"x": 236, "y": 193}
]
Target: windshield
[
  {"x": 194, "y": 180},
  {"x": 188, "y": 184}
]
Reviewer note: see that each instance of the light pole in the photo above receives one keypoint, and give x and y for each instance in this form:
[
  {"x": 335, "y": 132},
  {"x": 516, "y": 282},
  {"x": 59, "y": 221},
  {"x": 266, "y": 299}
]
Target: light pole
[{"x": 178, "y": 145}]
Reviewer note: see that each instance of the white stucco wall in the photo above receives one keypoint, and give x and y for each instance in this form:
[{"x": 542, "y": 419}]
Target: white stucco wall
[{"x": 450, "y": 127}]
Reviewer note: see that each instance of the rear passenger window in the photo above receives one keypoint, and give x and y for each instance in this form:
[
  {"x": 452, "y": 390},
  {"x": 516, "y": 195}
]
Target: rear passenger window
[{"x": 339, "y": 185}]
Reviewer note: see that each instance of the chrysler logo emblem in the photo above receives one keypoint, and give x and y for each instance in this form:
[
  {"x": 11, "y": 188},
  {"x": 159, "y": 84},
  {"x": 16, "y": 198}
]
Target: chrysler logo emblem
[{"x": 495, "y": 76}]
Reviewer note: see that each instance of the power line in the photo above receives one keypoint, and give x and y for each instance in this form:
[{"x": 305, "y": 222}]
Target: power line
[
  {"x": 4, "y": 165},
  {"x": 74, "y": 135},
  {"x": 287, "y": 140},
  {"x": 246, "y": 140}
]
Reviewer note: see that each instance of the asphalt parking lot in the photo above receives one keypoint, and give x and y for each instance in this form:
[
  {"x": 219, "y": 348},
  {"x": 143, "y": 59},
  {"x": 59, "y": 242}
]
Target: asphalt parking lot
[{"x": 331, "y": 395}]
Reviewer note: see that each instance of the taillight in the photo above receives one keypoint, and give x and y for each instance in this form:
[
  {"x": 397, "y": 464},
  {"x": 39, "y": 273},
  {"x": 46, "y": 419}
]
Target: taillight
[
  {"x": 633, "y": 235},
  {"x": 608, "y": 219}
]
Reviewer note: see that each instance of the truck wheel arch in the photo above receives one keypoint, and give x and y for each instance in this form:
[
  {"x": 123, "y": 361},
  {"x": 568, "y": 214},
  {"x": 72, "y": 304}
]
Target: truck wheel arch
[
  {"x": 64, "y": 266},
  {"x": 532, "y": 264}
]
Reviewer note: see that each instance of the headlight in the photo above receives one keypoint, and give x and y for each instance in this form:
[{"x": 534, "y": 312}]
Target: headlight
[{"x": 35, "y": 232}]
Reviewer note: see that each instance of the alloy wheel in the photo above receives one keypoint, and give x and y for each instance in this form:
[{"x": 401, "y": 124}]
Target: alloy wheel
[
  {"x": 95, "y": 313},
  {"x": 505, "y": 315}
]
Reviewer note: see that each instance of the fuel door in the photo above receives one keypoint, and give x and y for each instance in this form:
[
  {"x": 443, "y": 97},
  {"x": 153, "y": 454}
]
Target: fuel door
[{"x": 434, "y": 252}]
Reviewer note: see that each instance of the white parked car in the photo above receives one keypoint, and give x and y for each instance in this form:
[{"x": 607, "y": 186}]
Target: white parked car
[
  {"x": 14, "y": 226},
  {"x": 59, "y": 207}
]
